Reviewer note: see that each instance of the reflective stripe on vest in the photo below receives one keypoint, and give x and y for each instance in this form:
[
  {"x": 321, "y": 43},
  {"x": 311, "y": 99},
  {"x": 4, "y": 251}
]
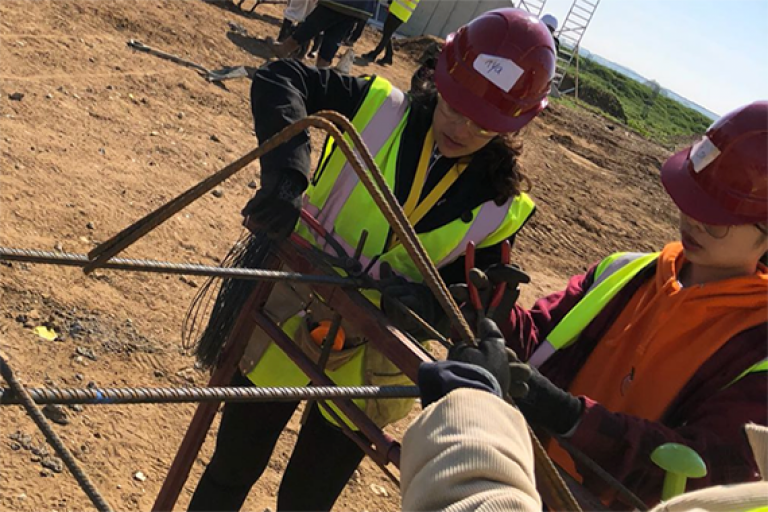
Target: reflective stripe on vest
[
  {"x": 344, "y": 207},
  {"x": 403, "y": 9},
  {"x": 760, "y": 366},
  {"x": 338, "y": 199},
  {"x": 611, "y": 275}
]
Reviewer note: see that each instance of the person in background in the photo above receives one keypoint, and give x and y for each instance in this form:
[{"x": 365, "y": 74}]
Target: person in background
[
  {"x": 400, "y": 11},
  {"x": 296, "y": 12},
  {"x": 334, "y": 19},
  {"x": 355, "y": 34},
  {"x": 551, "y": 23}
]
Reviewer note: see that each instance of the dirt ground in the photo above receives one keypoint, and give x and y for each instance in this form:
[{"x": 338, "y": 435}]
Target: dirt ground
[{"x": 104, "y": 134}]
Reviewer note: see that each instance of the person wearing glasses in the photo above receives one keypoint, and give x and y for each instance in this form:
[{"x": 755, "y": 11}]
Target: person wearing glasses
[
  {"x": 450, "y": 153},
  {"x": 667, "y": 347}
]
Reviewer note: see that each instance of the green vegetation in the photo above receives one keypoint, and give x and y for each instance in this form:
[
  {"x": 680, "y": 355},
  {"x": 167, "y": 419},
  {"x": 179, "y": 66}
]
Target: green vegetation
[{"x": 624, "y": 100}]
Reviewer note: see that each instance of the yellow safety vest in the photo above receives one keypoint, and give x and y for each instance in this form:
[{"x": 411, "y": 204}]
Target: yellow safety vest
[
  {"x": 403, "y": 9},
  {"x": 611, "y": 275},
  {"x": 344, "y": 207}
]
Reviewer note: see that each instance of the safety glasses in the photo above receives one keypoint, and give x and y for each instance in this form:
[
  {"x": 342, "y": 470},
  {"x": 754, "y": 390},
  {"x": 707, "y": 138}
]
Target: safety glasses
[{"x": 456, "y": 117}]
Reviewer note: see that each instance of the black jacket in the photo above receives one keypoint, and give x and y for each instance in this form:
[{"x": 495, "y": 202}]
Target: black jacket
[
  {"x": 360, "y": 9},
  {"x": 285, "y": 91}
]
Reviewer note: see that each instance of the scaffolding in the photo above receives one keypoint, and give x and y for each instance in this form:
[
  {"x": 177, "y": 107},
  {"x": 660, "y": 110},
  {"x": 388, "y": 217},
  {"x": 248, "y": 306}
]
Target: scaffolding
[
  {"x": 535, "y": 7},
  {"x": 570, "y": 35}
]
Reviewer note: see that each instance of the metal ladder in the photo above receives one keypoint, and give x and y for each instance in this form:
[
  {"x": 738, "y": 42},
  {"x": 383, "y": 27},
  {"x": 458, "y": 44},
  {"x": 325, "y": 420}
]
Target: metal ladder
[
  {"x": 570, "y": 34},
  {"x": 534, "y": 7}
]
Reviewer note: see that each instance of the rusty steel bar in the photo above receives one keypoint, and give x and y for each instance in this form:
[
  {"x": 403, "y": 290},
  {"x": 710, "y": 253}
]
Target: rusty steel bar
[
  {"x": 405, "y": 353},
  {"x": 611, "y": 480},
  {"x": 204, "y": 414},
  {"x": 387, "y": 202},
  {"x": 378, "y": 189},
  {"x": 116, "y": 396},
  {"x": 81, "y": 260},
  {"x": 50, "y": 435},
  {"x": 384, "y": 443},
  {"x": 383, "y": 198},
  {"x": 106, "y": 250}
]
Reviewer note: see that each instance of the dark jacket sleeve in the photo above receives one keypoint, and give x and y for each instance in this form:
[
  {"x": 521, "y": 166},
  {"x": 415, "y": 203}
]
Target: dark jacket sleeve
[
  {"x": 622, "y": 444},
  {"x": 285, "y": 91}
]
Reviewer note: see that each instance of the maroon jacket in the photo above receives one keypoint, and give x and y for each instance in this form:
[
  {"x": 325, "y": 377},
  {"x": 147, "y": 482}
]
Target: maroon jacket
[{"x": 708, "y": 415}]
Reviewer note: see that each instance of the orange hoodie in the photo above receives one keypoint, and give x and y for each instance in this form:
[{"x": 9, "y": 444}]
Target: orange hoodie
[{"x": 664, "y": 334}]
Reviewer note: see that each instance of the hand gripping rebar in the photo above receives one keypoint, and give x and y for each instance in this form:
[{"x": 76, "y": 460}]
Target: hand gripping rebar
[{"x": 376, "y": 185}]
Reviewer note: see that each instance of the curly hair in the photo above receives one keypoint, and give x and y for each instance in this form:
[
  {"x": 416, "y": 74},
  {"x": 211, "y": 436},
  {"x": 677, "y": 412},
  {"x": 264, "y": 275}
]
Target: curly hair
[{"x": 499, "y": 157}]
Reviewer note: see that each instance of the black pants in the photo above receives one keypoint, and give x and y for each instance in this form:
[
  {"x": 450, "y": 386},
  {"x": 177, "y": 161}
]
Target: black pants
[
  {"x": 332, "y": 24},
  {"x": 357, "y": 31},
  {"x": 322, "y": 462},
  {"x": 391, "y": 24}
]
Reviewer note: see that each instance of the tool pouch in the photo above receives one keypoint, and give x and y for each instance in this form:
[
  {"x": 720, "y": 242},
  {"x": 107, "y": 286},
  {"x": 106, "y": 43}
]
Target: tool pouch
[
  {"x": 380, "y": 371},
  {"x": 295, "y": 309}
]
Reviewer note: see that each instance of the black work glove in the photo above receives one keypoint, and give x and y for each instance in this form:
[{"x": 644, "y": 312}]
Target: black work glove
[
  {"x": 415, "y": 296},
  {"x": 438, "y": 379},
  {"x": 546, "y": 405},
  {"x": 511, "y": 274},
  {"x": 492, "y": 354},
  {"x": 496, "y": 274},
  {"x": 276, "y": 207}
]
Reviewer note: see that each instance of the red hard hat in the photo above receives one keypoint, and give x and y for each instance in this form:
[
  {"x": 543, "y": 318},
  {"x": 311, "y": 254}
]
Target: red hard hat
[
  {"x": 723, "y": 178},
  {"x": 498, "y": 69}
]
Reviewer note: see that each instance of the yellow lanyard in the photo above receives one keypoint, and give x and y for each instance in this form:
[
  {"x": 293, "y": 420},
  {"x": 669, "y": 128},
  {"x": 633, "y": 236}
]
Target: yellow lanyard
[{"x": 415, "y": 210}]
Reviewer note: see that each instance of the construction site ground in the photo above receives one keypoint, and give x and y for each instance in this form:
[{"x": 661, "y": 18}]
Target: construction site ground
[{"x": 104, "y": 134}]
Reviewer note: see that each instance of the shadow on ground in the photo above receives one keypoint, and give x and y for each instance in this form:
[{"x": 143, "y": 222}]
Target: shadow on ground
[
  {"x": 253, "y": 45},
  {"x": 248, "y": 9}
]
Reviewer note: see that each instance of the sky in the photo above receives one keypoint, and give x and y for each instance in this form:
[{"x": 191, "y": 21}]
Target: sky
[{"x": 712, "y": 52}]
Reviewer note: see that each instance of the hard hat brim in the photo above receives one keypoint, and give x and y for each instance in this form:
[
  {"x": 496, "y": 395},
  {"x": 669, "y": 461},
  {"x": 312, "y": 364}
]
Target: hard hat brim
[{"x": 690, "y": 198}]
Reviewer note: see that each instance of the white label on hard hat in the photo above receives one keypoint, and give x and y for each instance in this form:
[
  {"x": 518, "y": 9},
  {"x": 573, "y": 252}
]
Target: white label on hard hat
[
  {"x": 503, "y": 73},
  {"x": 703, "y": 153}
]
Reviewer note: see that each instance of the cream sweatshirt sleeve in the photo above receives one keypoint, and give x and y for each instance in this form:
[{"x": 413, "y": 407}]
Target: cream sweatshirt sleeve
[{"x": 470, "y": 451}]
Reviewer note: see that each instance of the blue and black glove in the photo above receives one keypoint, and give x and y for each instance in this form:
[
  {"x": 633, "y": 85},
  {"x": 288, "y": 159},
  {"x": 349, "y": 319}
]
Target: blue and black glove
[
  {"x": 542, "y": 403},
  {"x": 484, "y": 367},
  {"x": 440, "y": 378}
]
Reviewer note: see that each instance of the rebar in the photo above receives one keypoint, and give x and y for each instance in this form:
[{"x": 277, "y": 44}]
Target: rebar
[
  {"x": 387, "y": 202},
  {"x": 106, "y": 250},
  {"x": 377, "y": 187},
  {"x": 116, "y": 396},
  {"x": 384, "y": 199},
  {"x": 165, "y": 267},
  {"x": 582, "y": 458},
  {"x": 66, "y": 456}
]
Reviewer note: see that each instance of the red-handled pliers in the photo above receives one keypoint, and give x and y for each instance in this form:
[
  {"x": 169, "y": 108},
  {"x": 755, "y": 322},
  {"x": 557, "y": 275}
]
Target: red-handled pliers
[
  {"x": 498, "y": 292},
  {"x": 474, "y": 294}
]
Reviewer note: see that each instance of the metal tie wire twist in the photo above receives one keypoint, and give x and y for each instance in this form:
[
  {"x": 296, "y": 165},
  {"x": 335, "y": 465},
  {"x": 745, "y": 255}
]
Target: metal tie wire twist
[{"x": 376, "y": 185}]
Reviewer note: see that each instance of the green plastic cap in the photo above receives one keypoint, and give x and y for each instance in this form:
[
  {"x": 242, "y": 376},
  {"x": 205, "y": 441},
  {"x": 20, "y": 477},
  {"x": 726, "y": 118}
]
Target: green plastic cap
[{"x": 679, "y": 459}]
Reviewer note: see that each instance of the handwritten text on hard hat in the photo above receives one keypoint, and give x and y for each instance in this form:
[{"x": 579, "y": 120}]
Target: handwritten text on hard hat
[{"x": 501, "y": 72}]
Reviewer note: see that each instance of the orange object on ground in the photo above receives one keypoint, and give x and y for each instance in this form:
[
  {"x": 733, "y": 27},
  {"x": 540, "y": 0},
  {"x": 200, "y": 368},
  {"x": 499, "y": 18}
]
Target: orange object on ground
[{"x": 320, "y": 332}]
